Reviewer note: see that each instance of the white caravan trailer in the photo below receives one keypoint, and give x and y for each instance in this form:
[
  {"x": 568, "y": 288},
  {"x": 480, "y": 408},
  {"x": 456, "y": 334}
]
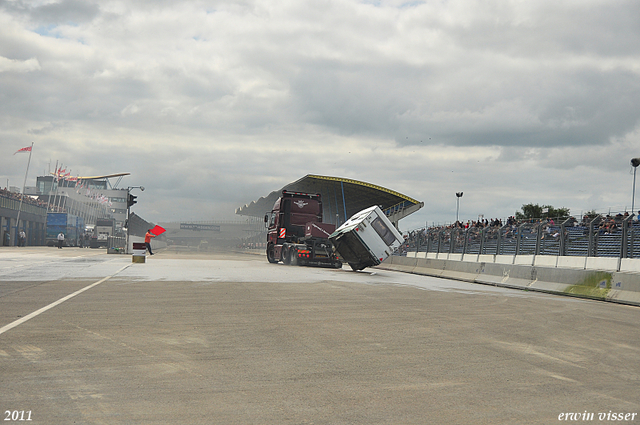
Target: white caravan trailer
[{"x": 366, "y": 239}]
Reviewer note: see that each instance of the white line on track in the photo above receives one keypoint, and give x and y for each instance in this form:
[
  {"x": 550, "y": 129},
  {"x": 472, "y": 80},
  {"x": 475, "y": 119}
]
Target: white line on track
[
  {"x": 55, "y": 303},
  {"x": 12, "y": 267}
]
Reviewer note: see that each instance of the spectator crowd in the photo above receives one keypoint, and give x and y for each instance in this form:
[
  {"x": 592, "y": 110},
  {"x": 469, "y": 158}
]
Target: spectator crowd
[
  {"x": 29, "y": 200},
  {"x": 551, "y": 228}
]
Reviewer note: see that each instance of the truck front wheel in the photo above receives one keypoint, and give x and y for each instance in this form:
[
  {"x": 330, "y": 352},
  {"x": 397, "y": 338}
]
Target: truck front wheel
[{"x": 271, "y": 254}]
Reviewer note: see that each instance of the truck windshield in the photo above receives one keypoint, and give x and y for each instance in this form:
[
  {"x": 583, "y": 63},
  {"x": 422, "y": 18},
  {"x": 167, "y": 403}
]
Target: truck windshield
[
  {"x": 272, "y": 219},
  {"x": 385, "y": 233}
]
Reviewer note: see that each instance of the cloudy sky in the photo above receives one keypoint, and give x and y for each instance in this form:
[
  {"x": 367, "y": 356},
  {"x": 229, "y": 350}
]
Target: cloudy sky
[{"x": 212, "y": 104}]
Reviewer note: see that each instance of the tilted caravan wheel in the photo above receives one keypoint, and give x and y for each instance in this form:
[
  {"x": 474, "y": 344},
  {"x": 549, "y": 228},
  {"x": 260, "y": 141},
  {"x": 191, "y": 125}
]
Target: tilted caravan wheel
[{"x": 357, "y": 267}]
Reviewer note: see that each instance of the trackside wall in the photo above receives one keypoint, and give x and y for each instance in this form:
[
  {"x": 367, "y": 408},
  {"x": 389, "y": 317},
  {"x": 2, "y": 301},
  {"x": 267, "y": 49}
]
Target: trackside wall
[{"x": 607, "y": 281}]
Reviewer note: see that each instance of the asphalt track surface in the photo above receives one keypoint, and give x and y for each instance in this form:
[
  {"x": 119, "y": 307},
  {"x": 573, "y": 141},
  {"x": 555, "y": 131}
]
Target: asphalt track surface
[{"x": 90, "y": 338}]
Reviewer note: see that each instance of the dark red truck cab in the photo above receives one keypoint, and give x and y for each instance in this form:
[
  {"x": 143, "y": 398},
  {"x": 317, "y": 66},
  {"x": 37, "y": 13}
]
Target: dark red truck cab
[{"x": 296, "y": 233}]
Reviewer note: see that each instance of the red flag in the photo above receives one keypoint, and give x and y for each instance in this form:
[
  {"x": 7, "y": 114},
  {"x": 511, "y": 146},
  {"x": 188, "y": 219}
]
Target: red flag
[
  {"x": 158, "y": 230},
  {"x": 27, "y": 149}
]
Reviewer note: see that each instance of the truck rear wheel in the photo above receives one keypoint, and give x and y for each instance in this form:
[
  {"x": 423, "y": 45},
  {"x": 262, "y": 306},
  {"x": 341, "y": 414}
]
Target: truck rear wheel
[
  {"x": 293, "y": 256},
  {"x": 285, "y": 255}
]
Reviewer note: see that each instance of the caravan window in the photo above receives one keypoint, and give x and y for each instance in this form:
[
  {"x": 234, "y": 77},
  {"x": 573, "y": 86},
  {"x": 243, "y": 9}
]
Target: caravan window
[{"x": 385, "y": 233}]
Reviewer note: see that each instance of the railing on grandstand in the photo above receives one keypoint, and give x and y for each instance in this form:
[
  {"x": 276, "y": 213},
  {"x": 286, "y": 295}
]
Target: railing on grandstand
[
  {"x": 27, "y": 207},
  {"x": 598, "y": 237}
]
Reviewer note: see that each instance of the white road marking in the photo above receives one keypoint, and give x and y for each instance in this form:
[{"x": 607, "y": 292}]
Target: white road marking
[{"x": 56, "y": 303}]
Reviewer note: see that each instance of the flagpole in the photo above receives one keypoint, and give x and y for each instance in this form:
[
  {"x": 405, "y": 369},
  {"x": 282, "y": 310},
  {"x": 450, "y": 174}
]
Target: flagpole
[
  {"x": 56, "y": 199},
  {"x": 51, "y": 190},
  {"x": 24, "y": 184}
]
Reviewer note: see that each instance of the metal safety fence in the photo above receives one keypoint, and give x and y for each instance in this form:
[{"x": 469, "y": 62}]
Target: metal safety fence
[
  {"x": 116, "y": 243},
  {"x": 597, "y": 237}
]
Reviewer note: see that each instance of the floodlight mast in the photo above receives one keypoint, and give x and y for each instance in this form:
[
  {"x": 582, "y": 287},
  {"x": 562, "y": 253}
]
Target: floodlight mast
[
  {"x": 458, "y": 196},
  {"x": 634, "y": 163}
]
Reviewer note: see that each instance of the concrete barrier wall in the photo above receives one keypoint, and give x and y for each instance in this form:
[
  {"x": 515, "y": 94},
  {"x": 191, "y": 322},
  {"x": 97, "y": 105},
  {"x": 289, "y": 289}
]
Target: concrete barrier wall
[
  {"x": 629, "y": 265},
  {"x": 524, "y": 260},
  {"x": 545, "y": 260},
  {"x": 602, "y": 263},
  {"x": 590, "y": 263},
  {"x": 504, "y": 259},
  {"x": 607, "y": 279},
  {"x": 571, "y": 262},
  {"x": 455, "y": 257}
]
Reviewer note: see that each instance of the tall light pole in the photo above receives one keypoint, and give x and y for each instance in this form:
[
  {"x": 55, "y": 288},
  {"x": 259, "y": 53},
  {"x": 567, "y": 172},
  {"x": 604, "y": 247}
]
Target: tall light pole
[
  {"x": 634, "y": 163},
  {"x": 458, "y": 196}
]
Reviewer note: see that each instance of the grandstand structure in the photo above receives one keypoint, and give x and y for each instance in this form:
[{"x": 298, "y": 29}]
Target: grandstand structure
[
  {"x": 90, "y": 198},
  {"x": 341, "y": 198},
  {"x": 599, "y": 236},
  {"x": 33, "y": 219}
]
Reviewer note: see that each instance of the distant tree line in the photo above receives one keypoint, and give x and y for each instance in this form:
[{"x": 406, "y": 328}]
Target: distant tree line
[{"x": 535, "y": 211}]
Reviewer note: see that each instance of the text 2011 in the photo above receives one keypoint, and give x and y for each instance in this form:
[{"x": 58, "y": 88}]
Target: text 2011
[{"x": 17, "y": 415}]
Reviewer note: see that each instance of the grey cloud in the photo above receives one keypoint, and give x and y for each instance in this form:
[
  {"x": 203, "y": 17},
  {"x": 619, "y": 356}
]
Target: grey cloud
[
  {"x": 63, "y": 12},
  {"x": 49, "y": 128},
  {"x": 583, "y": 107},
  {"x": 490, "y": 87},
  {"x": 227, "y": 101},
  {"x": 12, "y": 65},
  {"x": 545, "y": 29}
]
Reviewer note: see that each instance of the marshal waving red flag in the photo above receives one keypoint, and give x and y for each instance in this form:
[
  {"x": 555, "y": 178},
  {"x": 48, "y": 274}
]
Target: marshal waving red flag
[{"x": 27, "y": 149}]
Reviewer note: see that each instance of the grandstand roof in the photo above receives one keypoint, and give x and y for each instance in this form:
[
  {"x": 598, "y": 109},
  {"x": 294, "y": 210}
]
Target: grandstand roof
[
  {"x": 106, "y": 176},
  {"x": 338, "y": 194}
]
